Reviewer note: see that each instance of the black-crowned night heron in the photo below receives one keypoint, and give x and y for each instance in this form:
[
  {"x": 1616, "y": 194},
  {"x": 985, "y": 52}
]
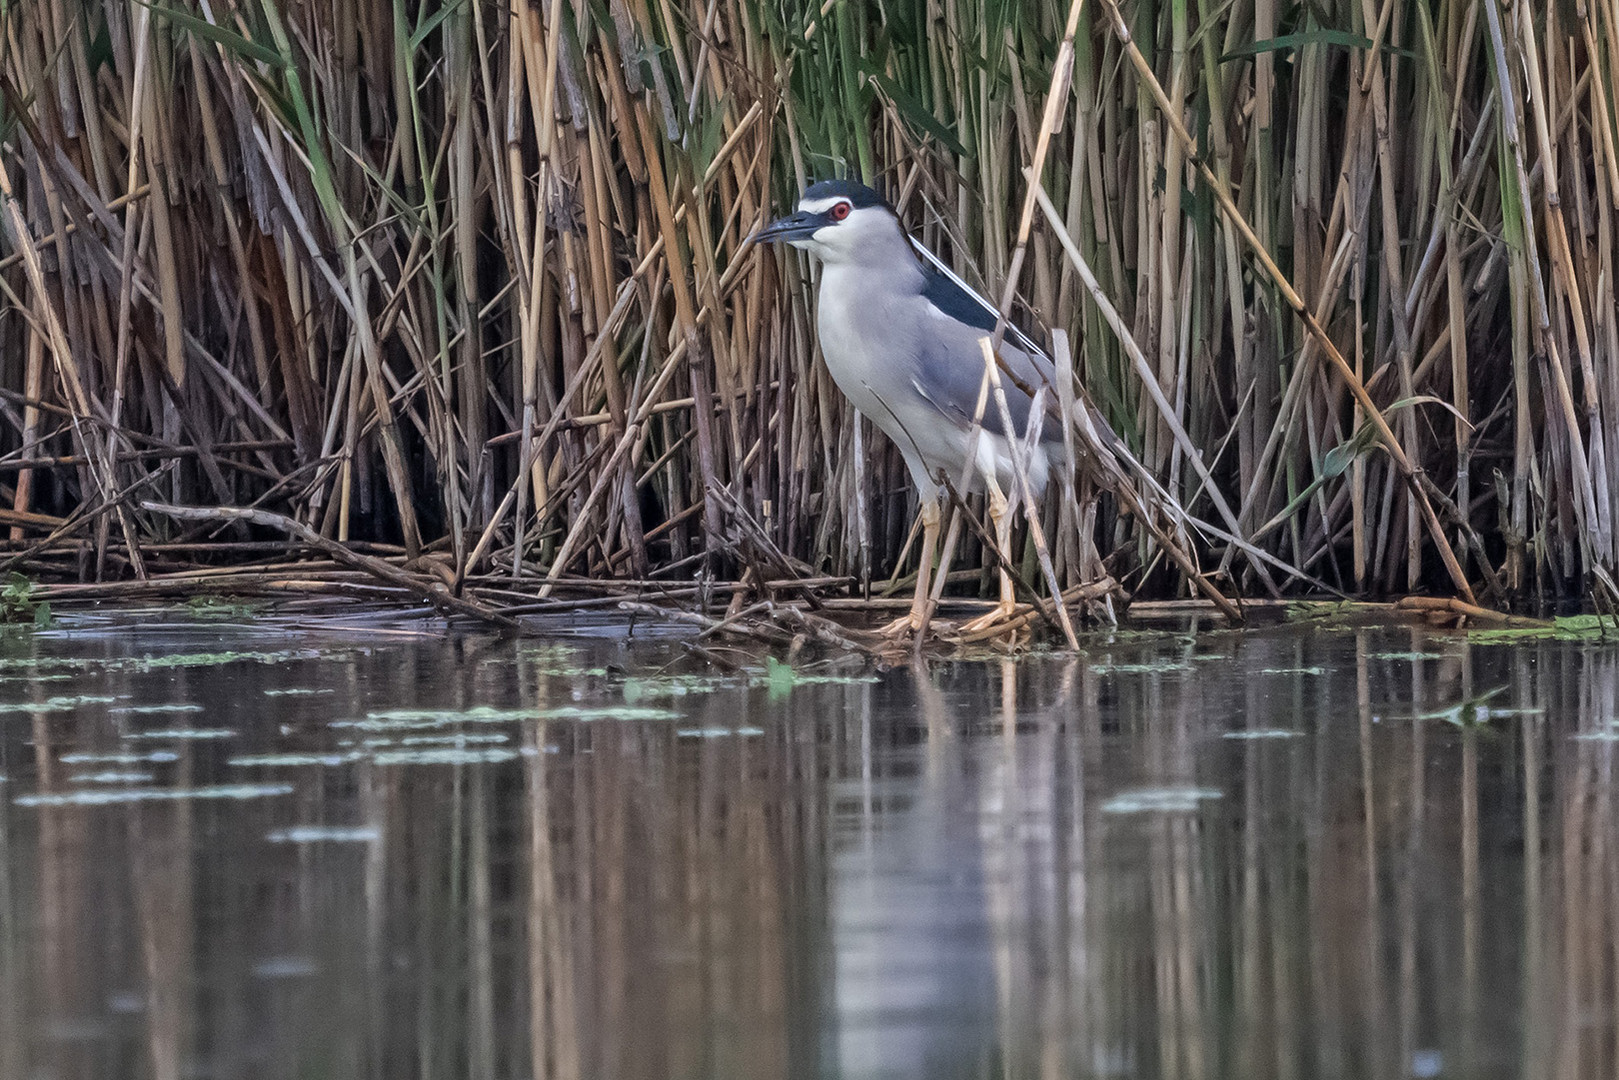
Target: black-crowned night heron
[{"x": 902, "y": 339}]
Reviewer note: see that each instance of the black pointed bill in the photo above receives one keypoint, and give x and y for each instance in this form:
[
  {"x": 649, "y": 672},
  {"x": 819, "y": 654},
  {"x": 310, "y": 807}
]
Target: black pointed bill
[{"x": 799, "y": 226}]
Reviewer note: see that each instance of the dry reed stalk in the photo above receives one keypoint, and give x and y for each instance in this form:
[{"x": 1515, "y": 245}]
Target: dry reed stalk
[
  {"x": 1396, "y": 451},
  {"x": 436, "y": 594},
  {"x": 1020, "y": 472},
  {"x": 475, "y": 277}
]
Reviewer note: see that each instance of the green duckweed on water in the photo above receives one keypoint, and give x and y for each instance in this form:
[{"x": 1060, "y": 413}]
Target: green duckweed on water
[
  {"x": 112, "y": 797},
  {"x": 1106, "y": 637},
  {"x": 409, "y": 719},
  {"x": 781, "y": 677},
  {"x": 224, "y": 608},
  {"x": 1164, "y": 800},
  {"x": 71, "y": 666},
  {"x": 285, "y": 967},
  {"x": 631, "y": 713},
  {"x": 458, "y": 739},
  {"x": 34, "y": 664},
  {"x": 553, "y": 658},
  {"x": 296, "y": 760},
  {"x": 1562, "y": 628},
  {"x": 325, "y": 834},
  {"x": 1263, "y": 733},
  {"x": 57, "y": 667},
  {"x": 656, "y": 687},
  {"x": 1322, "y": 611},
  {"x": 444, "y": 755},
  {"x": 55, "y": 704},
  {"x": 459, "y": 749},
  {"x": 111, "y": 777},
  {"x": 1149, "y": 667},
  {"x": 191, "y": 660}
]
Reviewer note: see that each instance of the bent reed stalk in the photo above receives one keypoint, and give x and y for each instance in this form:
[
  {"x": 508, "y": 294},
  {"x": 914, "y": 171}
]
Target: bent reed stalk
[{"x": 470, "y": 283}]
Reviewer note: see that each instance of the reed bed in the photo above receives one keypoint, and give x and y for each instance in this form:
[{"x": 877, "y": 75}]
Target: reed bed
[{"x": 472, "y": 281}]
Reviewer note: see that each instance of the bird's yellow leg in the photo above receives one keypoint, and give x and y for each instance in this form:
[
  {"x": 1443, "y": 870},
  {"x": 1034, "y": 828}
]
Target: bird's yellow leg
[
  {"x": 911, "y": 622},
  {"x": 1000, "y": 518}
]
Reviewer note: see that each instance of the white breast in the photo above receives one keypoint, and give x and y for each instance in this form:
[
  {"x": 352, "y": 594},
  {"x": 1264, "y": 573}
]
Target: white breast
[{"x": 869, "y": 344}]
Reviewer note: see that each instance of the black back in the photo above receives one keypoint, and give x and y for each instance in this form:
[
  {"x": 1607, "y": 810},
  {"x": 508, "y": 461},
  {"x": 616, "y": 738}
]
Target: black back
[{"x": 954, "y": 301}]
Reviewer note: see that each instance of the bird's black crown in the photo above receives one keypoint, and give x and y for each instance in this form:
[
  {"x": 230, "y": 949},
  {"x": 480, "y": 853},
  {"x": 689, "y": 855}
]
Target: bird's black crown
[{"x": 859, "y": 195}]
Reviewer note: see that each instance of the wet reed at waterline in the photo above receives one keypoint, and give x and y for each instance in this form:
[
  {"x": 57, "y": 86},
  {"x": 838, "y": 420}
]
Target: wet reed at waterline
[{"x": 472, "y": 281}]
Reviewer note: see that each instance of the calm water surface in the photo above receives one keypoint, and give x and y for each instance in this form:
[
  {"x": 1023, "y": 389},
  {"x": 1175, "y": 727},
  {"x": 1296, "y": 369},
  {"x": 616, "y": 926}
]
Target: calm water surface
[{"x": 388, "y": 853}]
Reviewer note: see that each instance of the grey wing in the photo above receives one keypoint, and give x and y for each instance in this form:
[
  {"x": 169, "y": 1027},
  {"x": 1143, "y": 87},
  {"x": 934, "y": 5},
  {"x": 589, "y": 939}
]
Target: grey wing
[
  {"x": 951, "y": 373},
  {"x": 952, "y": 368}
]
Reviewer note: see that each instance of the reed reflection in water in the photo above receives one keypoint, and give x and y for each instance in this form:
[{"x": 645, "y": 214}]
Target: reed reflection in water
[{"x": 1358, "y": 854}]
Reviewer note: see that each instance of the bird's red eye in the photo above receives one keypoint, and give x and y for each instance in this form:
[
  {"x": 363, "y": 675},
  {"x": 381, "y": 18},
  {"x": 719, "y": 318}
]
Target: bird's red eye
[{"x": 840, "y": 211}]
